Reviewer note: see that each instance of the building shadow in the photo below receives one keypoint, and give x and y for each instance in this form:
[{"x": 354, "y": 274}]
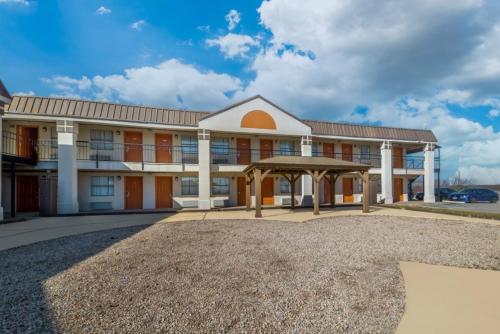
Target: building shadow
[{"x": 23, "y": 306}]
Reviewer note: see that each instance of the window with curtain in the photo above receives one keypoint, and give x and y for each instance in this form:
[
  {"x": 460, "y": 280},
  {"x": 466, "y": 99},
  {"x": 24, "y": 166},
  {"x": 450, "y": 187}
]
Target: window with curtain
[
  {"x": 286, "y": 147},
  {"x": 101, "y": 139},
  {"x": 102, "y": 186},
  {"x": 364, "y": 151},
  {"x": 189, "y": 147},
  {"x": 285, "y": 186},
  {"x": 220, "y": 150},
  {"x": 314, "y": 148},
  {"x": 220, "y": 186},
  {"x": 189, "y": 185}
]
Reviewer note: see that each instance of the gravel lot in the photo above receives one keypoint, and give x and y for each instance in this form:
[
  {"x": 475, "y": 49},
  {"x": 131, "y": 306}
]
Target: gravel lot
[{"x": 330, "y": 275}]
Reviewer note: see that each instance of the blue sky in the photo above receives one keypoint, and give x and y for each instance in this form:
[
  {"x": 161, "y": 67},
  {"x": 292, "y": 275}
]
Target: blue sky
[{"x": 332, "y": 60}]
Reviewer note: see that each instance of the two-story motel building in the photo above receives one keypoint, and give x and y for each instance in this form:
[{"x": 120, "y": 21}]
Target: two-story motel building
[{"x": 81, "y": 156}]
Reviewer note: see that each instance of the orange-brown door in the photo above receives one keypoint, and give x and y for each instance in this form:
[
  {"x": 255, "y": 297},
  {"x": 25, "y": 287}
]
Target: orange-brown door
[
  {"x": 133, "y": 146},
  {"x": 268, "y": 191},
  {"x": 241, "y": 191},
  {"x": 266, "y": 148},
  {"x": 243, "y": 149},
  {"x": 348, "y": 189},
  {"x": 397, "y": 157},
  {"x": 27, "y": 138},
  {"x": 163, "y": 145},
  {"x": 347, "y": 152},
  {"x": 326, "y": 191},
  {"x": 27, "y": 195},
  {"x": 329, "y": 150},
  {"x": 397, "y": 184},
  {"x": 163, "y": 189},
  {"x": 133, "y": 192}
]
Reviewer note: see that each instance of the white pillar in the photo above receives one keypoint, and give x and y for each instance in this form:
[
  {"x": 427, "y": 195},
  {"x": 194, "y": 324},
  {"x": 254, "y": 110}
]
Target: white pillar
[
  {"x": 1, "y": 150},
  {"x": 67, "y": 170},
  {"x": 429, "y": 185},
  {"x": 386, "y": 172},
  {"x": 306, "y": 150},
  {"x": 204, "y": 169}
]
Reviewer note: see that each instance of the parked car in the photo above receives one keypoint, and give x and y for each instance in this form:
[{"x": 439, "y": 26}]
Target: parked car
[
  {"x": 473, "y": 195},
  {"x": 443, "y": 194}
]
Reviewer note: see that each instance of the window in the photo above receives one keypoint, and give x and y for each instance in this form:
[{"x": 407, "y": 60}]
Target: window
[
  {"x": 189, "y": 185},
  {"x": 220, "y": 150},
  {"x": 101, "y": 139},
  {"x": 286, "y": 147},
  {"x": 285, "y": 186},
  {"x": 315, "y": 152},
  {"x": 364, "y": 153},
  {"x": 53, "y": 137},
  {"x": 102, "y": 186},
  {"x": 189, "y": 147},
  {"x": 220, "y": 186}
]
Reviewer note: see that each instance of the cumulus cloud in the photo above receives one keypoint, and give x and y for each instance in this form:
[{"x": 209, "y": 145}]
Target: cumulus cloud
[
  {"x": 67, "y": 86},
  {"x": 493, "y": 113},
  {"x": 103, "y": 11},
  {"x": 138, "y": 25},
  {"x": 18, "y": 2},
  {"x": 233, "y": 19},
  {"x": 233, "y": 45},
  {"x": 28, "y": 93},
  {"x": 480, "y": 175}
]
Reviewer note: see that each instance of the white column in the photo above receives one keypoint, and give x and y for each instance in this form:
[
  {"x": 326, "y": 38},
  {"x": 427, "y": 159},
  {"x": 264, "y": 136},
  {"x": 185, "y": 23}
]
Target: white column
[
  {"x": 1, "y": 150},
  {"x": 306, "y": 150},
  {"x": 429, "y": 185},
  {"x": 386, "y": 171},
  {"x": 204, "y": 169},
  {"x": 67, "y": 170}
]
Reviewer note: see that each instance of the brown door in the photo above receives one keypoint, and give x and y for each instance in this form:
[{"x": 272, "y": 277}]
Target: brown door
[
  {"x": 397, "y": 184},
  {"x": 241, "y": 191},
  {"x": 268, "y": 191},
  {"x": 243, "y": 149},
  {"x": 347, "y": 189},
  {"x": 397, "y": 157},
  {"x": 326, "y": 191},
  {"x": 27, "y": 195},
  {"x": 266, "y": 148},
  {"x": 133, "y": 192},
  {"x": 347, "y": 152},
  {"x": 133, "y": 146},
  {"x": 328, "y": 150},
  {"x": 163, "y": 145},
  {"x": 164, "y": 192},
  {"x": 26, "y": 141}
]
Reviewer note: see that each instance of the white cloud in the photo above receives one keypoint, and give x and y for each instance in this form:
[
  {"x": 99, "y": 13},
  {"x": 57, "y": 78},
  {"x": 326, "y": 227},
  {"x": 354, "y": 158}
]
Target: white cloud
[
  {"x": 28, "y": 93},
  {"x": 103, "y": 11},
  {"x": 203, "y": 28},
  {"x": 67, "y": 86},
  {"x": 233, "y": 19},
  {"x": 138, "y": 25},
  {"x": 233, "y": 45},
  {"x": 493, "y": 113},
  {"x": 481, "y": 175},
  {"x": 19, "y": 2}
]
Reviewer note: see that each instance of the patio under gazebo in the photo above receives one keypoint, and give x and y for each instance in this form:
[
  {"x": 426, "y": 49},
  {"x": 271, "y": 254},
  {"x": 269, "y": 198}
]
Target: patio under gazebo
[{"x": 293, "y": 167}]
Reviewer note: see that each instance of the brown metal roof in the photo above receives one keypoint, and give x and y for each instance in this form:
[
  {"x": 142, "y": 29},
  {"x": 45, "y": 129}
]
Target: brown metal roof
[
  {"x": 63, "y": 107},
  {"x": 286, "y": 164},
  {"x": 368, "y": 131}
]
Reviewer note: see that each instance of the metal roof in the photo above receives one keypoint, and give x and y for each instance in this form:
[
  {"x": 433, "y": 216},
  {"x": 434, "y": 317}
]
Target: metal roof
[
  {"x": 290, "y": 163},
  {"x": 85, "y": 109}
]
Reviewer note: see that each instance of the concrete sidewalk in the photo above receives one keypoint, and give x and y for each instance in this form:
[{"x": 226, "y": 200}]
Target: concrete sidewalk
[{"x": 442, "y": 299}]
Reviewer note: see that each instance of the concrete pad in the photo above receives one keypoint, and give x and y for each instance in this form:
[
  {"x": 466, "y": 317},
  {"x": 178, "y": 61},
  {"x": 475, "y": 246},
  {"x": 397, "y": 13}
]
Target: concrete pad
[{"x": 442, "y": 300}]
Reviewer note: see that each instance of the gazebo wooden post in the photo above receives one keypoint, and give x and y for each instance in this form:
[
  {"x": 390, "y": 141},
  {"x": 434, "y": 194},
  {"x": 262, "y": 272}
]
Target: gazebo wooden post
[
  {"x": 258, "y": 192},
  {"x": 333, "y": 179},
  {"x": 316, "y": 192},
  {"x": 366, "y": 192},
  {"x": 292, "y": 190},
  {"x": 248, "y": 198}
]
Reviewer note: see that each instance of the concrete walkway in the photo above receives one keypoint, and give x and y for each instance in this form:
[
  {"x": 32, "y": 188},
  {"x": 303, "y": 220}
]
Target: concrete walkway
[
  {"x": 442, "y": 299},
  {"x": 46, "y": 228}
]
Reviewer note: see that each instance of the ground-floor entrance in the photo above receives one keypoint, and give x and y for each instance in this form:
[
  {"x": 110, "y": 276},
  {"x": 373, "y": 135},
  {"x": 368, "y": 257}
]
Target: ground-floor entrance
[
  {"x": 133, "y": 192},
  {"x": 348, "y": 190},
  {"x": 397, "y": 185},
  {"x": 268, "y": 191},
  {"x": 164, "y": 191},
  {"x": 27, "y": 193}
]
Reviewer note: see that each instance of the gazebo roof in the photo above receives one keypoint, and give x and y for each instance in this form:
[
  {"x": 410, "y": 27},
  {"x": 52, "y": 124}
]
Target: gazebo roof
[{"x": 286, "y": 164}]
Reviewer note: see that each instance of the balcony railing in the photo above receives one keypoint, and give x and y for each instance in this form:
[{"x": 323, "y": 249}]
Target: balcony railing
[
  {"x": 373, "y": 160},
  {"x": 233, "y": 156},
  {"x": 118, "y": 152}
]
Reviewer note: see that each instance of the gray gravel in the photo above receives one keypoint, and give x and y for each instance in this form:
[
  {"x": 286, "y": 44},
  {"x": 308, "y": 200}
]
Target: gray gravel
[{"x": 330, "y": 275}]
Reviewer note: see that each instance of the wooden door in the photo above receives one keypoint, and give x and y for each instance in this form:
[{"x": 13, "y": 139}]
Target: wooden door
[
  {"x": 26, "y": 138},
  {"x": 133, "y": 192},
  {"x": 243, "y": 150},
  {"x": 347, "y": 152},
  {"x": 133, "y": 146},
  {"x": 348, "y": 189},
  {"x": 163, "y": 147},
  {"x": 397, "y": 185},
  {"x": 241, "y": 191},
  {"x": 326, "y": 191},
  {"x": 329, "y": 150},
  {"x": 268, "y": 191},
  {"x": 266, "y": 148},
  {"x": 397, "y": 157},
  {"x": 163, "y": 187},
  {"x": 27, "y": 193}
]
